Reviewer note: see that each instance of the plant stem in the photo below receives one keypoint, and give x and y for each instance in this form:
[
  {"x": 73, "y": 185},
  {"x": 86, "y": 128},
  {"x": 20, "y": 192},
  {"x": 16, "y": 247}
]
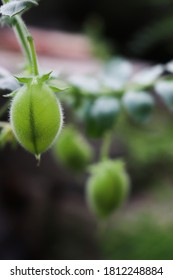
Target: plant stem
[
  {"x": 20, "y": 30},
  {"x": 33, "y": 55},
  {"x": 104, "y": 154}
]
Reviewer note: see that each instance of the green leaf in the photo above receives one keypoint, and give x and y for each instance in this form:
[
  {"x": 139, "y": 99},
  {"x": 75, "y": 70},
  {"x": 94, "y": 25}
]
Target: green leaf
[
  {"x": 148, "y": 76},
  {"x": 15, "y": 7},
  {"x": 85, "y": 84},
  {"x": 57, "y": 85},
  {"x": 119, "y": 69},
  {"x": 24, "y": 80},
  {"x": 45, "y": 77},
  {"x": 165, "y": 90},
  {"x": 6, "y": 21},
  {"x": 139, "y": 105},
  {"x": 100, "y": 116},
  {"x": 169, "y": 66}
]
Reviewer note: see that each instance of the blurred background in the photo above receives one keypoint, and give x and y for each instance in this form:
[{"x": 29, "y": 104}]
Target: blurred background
[{"x": 43, "y": 210}]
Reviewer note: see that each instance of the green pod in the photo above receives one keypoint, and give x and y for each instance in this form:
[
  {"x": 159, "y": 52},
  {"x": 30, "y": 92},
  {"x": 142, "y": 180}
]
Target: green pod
[
  {"x": 107, "y": 187},
  {"x": 72, "y": 150},
  {"x": 35, "y": 117},
  {"x": 139, "y": 105},
  {"x": 101, "y": 116}
]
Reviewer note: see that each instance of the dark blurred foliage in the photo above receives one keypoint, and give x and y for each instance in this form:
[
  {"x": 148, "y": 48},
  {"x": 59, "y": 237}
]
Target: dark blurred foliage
[
  {"x": 136, "y": 28},
  {"x": 43, "y": 213},
  {"x": 145, "y": 232}
]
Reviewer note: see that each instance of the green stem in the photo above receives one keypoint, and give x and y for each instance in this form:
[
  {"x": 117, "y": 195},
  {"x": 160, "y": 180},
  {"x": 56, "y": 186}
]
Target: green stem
[
  {"x": 104, "y": 154},
  {"x": 20, "y": 30},
  {"x": 33, "y": 55}
]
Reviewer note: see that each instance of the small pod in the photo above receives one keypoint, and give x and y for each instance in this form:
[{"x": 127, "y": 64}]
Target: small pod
[
  {"x": 72, "y": 150},
  {"x": 107, "y": 187},
  {"x": 101, "y": 115},
  {"x": 139, "y": 105},
  {"x": 36, "y": 117}
]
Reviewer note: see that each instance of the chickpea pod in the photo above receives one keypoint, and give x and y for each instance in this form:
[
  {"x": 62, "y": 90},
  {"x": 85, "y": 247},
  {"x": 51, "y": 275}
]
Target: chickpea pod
[
  {"x": 36, "y": 117},
  {"x": 107, "y": 187}
]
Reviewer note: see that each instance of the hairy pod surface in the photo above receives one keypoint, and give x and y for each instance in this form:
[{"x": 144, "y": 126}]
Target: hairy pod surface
[
  {"x": 72, "y": 150},
  {"x": 35, "y": 117},
  {"x": 107, "y": 187}
]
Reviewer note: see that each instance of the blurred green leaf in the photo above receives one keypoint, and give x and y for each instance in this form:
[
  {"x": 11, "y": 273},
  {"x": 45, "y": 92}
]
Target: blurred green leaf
[
  {"x": 139, "y": 105},
  {"x": 119, "y": 69},
  {"x": 6, "y": 21},
  {"x": 57, "y": 85},
  {"x": 169, "y": 66},
  {"x": 86, "y": 84},
  {"x": 148, "y": 76},
  {"x": 16, "y": 6},
  {"x": 101, "y": 115},
  {"x": 165, "y": 90}
]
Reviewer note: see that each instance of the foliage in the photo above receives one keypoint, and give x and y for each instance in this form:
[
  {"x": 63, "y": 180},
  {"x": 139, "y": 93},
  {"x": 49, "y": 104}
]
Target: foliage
[
  {"x": 145, "y": 232},
  {"x": 96, "y": 102}
]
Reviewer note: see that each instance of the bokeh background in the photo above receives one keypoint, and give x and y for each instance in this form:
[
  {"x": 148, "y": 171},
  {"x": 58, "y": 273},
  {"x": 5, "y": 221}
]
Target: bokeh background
[{"x": 43, "y": 211}]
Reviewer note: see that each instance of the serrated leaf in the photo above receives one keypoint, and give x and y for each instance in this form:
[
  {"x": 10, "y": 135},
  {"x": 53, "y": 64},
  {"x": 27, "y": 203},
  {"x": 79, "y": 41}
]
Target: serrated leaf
[
  {"x": 165, "y": 90},
  {"x": 139, "y": 105},
  {"x": 15, "y": 7}
]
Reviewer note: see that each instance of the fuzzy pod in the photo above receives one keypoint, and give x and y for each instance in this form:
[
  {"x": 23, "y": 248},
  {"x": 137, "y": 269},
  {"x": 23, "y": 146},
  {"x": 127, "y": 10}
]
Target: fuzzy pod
[
  {"x": 107, "y": 188},
  {"x": 36, "y": 117},
  {"x": 72, "y": 150}
]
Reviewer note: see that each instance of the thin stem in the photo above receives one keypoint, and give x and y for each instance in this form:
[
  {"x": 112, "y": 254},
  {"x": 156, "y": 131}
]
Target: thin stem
[
  {"x": 104, "y": 154},
  {"x": 33, "y": 55},
  {"x": 20, "y": 30}
]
